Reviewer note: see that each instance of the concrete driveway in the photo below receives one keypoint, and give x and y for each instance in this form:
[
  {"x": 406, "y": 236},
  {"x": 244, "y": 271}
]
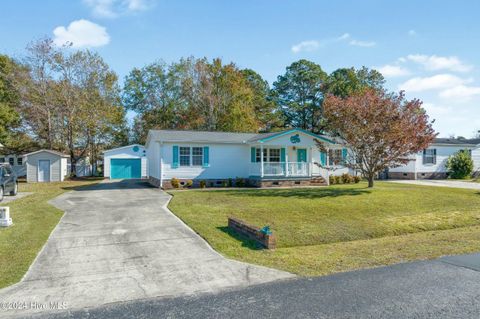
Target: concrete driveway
[
  {"x": 441, "y": 183},
  {"x": 118, "y": 242}
]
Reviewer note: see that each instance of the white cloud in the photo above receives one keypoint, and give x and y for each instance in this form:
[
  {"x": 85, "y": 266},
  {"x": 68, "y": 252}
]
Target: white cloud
[
  {"x": 412, "y": 33},
  {"x": 460, "y": 93},
  {"x": 436, "y": 82},
  {"x": 435, "y": 63},
  {"x": 391, "y": 71},
  {"x": 359, "y": 43},
  {"x": 344, "y": 37},
  {"x": 114, "y": 8},
  {"x": 81, "y": 33},
  {"x": 306, "y": 46}
]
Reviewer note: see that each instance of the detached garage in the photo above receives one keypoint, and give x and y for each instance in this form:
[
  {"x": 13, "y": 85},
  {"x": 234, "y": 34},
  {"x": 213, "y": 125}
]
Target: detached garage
[
  {"x": 125, "y": 162},
  {"x": 46, "y": 166}
]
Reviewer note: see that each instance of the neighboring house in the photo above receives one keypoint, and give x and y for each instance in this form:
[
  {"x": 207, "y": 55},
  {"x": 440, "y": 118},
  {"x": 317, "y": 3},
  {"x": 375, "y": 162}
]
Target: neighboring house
[
  {"x": 46, "y": 166},
  {"x": 430, "y": 163},
  {"x": 271, "y": 159},
  {"x": 16, "y": 161},
  {"x": 125, "y": 162}
]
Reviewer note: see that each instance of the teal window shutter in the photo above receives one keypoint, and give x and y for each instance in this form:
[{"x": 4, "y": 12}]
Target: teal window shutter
[
  {"x": 323, "y": 158},
  {"x": 175, "y": 156},
  {"x": 253, "y": 155},
  {"x": 206, "y": 157},
  {"x": 344, "y": 155},
  {"x": 282, "y": 155}
]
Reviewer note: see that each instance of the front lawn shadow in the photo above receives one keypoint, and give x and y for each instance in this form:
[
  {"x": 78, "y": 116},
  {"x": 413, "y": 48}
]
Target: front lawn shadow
[
  {"x": 248, "y": 243},
  {"x": 302, "y": 192}
]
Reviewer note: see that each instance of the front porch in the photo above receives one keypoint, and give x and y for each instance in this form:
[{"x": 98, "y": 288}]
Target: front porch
[{"x": 282, "y": 162}]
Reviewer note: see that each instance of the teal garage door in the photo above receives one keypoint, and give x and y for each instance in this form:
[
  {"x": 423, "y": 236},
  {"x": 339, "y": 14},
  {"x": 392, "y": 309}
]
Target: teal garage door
[{"x": 121, "y": 168}]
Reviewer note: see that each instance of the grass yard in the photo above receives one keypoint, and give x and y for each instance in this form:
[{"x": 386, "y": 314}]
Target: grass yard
[
  {"x": 338, "y": 228},
  {"x": 34, "y": 219}
]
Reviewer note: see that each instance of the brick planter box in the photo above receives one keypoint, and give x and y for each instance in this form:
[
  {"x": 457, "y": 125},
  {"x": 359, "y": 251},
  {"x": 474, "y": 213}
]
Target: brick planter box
[{"x": 252, "y": 232}]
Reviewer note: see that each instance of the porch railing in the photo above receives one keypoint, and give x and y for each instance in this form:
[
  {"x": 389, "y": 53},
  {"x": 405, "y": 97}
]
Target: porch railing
[{"x": 294, "y": 169}]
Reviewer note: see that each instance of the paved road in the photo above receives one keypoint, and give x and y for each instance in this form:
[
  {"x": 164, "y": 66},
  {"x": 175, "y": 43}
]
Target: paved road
[
  {"x": 444, "y": 288},
  {"x": 440, "y": 183},
  {"x": 118, "y": 242}
]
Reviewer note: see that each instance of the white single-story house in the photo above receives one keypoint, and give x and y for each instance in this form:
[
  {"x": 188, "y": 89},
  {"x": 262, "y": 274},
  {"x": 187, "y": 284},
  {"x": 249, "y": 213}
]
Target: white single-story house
[
  {"x": 269, "y": 159},
  {"x": 16, "y": 161},
  {"x": 46, "y": 166},
  {"x": 430, "y": 163},
  {"x": 125, "y": 162}
]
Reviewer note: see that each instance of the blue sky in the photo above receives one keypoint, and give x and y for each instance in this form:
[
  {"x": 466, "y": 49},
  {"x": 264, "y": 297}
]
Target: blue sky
[{"x": 428, "y": 48}]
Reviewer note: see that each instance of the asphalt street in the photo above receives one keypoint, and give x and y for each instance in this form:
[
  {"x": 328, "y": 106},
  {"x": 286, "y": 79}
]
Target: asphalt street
[{"x": 444, "y": 288}]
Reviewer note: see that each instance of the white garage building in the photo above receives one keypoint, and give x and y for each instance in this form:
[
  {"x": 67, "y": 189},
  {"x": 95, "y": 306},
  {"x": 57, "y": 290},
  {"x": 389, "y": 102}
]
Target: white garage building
[{"x": 125, "y": 162}]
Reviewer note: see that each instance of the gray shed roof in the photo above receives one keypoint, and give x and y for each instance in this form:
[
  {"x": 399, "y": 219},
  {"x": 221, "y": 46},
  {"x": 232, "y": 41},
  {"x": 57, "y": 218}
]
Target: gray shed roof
[{"x": 48, "y": 151}]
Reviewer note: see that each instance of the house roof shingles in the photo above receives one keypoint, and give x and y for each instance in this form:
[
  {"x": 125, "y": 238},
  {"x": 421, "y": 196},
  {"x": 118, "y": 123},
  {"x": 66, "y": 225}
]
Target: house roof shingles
[
  {"x": 456, "y": 141},
  {"x": 214, "y": 137}
]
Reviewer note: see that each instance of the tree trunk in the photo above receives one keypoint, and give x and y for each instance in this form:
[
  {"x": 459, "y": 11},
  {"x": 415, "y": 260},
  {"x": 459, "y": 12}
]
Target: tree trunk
[{"x": 370, "y": 180}]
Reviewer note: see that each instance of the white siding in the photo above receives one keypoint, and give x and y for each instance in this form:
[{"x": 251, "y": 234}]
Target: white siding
[
  {"x": 56, "y": 169},
  {"x": 125, "y": 152},
  {"x": 443, "y": 152},
  {"x": 226, "y": 161},
  {"x": 476, "y": 158},
  {"x": 63, "y": 168},
  {"x": 153, "y": 158}
]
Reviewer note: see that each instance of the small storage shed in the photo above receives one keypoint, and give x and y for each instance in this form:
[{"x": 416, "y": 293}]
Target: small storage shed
[
  {"x": 125, "y": 162},
  {"x": 46, "y": 166}
]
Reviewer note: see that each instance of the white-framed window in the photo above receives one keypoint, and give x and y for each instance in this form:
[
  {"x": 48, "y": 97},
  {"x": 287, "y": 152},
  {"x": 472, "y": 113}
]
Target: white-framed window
[
  {"x": 191, "y": 156},
  {"x": 19, "y": 161},
  {"x": 269, "y": 155},
  {"x": 11, "y": 161},
  {"x": 335, "y": 157},
  {"x": 430, "y": 156},
  {"x": 2, "y": 159},
  {"x": 274, "y": 155},
  {"x": 197, "y": 156},
  {"x": 185, "y": 156}
]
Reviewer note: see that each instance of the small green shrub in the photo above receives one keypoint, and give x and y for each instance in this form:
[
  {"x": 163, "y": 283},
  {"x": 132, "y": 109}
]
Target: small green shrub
[
  {"x": 460, "y": 165},
  {"x": 347, "y": 178},
  {"x": 189, "y": 183},
  {"x": 357, "y": 179},
  {"x": 331, "y": 179},
  {"x": 224, "y": 183},
  {"x": 239, "y": 182},
  {"x": 203, "y": 184},
  {"x": 175, "y": 182},
  {"x": 230, "y": 182},
  {"x": 338, "y": 179}
]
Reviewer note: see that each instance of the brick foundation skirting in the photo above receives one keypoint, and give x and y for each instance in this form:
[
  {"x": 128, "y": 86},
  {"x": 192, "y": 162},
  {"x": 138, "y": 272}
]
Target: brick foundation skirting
[
  {"x": 420, "y": 175},
  {"x": 246, "y": 182}
]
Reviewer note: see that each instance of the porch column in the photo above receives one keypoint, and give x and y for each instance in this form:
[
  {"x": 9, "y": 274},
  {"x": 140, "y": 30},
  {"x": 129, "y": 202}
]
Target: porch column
[
  {"x": 286, "y": 160},
  {"x": 310, "y": 161},
  {"x": 261, "y": 160}
]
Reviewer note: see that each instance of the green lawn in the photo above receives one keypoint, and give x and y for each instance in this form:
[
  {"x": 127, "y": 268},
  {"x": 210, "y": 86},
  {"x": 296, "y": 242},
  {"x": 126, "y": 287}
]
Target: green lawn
[
  {"x": 338, "y": 228},
  {"x": 34, "y": 220}
]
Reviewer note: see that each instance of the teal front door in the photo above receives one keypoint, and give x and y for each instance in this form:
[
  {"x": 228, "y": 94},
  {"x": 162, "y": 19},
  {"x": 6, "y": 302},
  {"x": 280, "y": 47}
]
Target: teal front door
[
  {"x": 301, "y": 155},
  {"x": 125, "y": 168}
]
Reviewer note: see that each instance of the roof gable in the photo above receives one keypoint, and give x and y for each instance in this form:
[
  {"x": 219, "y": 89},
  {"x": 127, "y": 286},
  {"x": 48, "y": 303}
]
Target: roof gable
[
  {"x": 47, "y": 151},
  {"x": 261, "y": 138}
]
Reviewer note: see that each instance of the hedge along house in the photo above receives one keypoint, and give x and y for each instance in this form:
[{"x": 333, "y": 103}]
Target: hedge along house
[
  {"x": 271, "y": 159},
  {"x": 126, "y": 162},
  {"x": 430, "y": 163},
  {"x": 46, "y": 166}
]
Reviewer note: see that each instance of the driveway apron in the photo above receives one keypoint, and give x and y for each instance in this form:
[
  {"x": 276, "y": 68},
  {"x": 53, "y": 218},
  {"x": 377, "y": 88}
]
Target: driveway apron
[{"x": 117, "y": 241}]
